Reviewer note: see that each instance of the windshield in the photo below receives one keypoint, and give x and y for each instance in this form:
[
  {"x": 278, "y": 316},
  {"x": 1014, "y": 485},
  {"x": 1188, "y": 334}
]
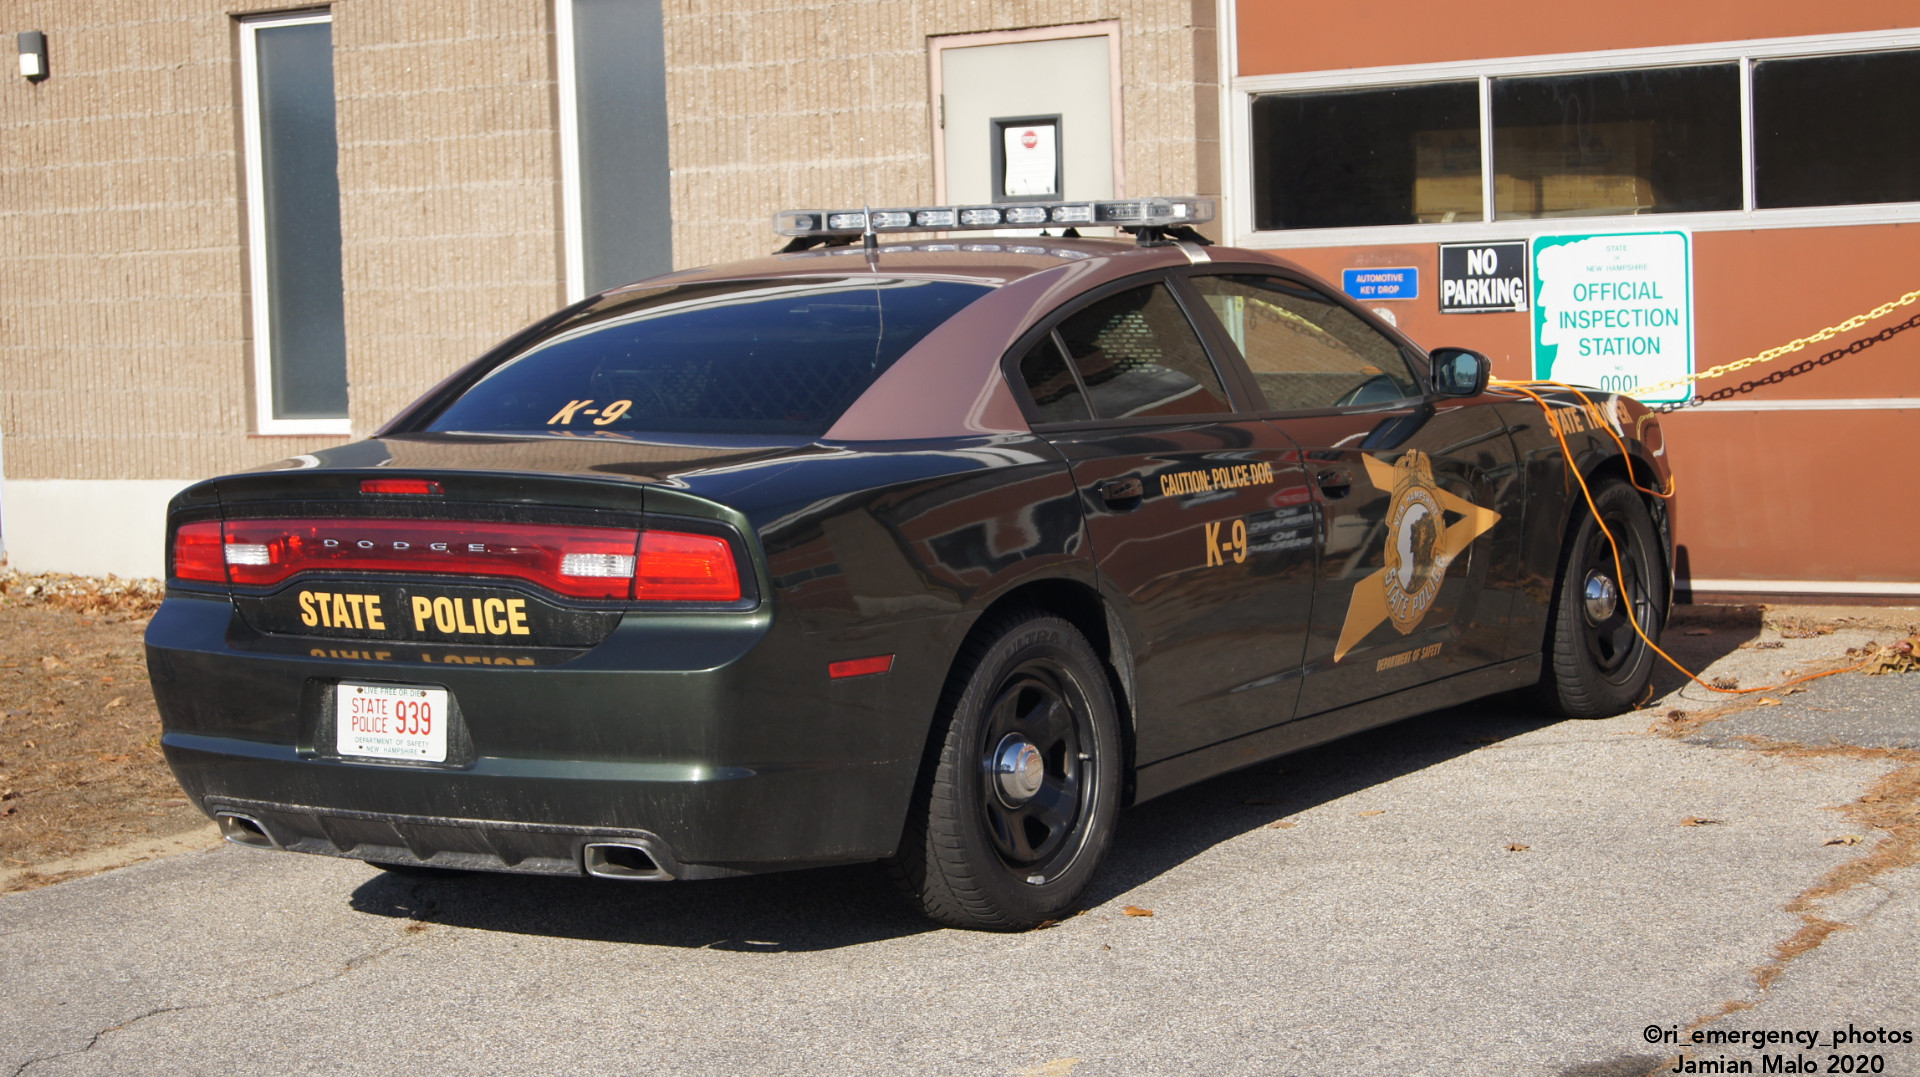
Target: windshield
[{"x": 751, "y": 357}]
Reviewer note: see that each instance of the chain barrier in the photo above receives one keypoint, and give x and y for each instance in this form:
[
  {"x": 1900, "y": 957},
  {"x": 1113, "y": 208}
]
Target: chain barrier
[{"x": 1788, "y": 348}]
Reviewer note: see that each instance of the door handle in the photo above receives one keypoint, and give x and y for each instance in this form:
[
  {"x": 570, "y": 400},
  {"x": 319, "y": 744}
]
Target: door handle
[
  {"x": 1121, "y": 495},
  {"x": 1335, "y": 483}
]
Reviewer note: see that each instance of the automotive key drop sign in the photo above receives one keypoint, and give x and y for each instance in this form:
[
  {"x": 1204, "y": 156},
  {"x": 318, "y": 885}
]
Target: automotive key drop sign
[{"x": 1614, "y": 311}]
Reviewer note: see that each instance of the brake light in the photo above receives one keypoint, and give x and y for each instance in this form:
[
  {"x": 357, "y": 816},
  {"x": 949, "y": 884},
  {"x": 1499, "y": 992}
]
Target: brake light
[
  {"x": 583, "y": 562},
  {"x": 678, "y": 567},
  {"x": 415, "y": 487},
  {"x": 197, "y": 554}
]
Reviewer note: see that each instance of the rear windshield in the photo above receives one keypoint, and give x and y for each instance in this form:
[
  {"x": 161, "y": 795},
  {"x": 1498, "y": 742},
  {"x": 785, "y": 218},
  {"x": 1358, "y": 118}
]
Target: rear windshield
[{"x": 751, "y": 357}]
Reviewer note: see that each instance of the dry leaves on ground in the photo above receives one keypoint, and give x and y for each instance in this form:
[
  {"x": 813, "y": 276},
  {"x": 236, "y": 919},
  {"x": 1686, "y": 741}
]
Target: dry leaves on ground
[
  {"x": 1517, "y": 847},
  {"x": 1135, "y": 910}
]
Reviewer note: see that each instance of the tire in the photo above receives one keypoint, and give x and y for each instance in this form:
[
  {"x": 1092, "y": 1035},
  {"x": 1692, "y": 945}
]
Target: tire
[
  {"x": 1008, "y": 851},
  {"x": 1596, "y": 665}
]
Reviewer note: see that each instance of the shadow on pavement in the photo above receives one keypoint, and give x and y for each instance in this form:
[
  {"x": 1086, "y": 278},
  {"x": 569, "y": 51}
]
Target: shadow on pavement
[{"x": 827, "y": 908}]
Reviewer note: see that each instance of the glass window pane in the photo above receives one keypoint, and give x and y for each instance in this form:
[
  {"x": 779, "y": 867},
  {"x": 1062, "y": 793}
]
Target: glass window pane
[
  {"x": 307, "y": 336},
  {"x": 1051, "y": 383},
  {"x": 1138, "y": 355},
  {"x": 1664, "y": 140},
  {"x": 1399, "y": 155},
  {"x": 782, "y": 357},
  {"x": 1837, "y": 130},
  {"x": 1305, "y": 350}
]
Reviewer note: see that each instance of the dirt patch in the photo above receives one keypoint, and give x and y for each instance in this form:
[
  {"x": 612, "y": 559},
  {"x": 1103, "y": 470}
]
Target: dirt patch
[{"x": 80, "y": 765}]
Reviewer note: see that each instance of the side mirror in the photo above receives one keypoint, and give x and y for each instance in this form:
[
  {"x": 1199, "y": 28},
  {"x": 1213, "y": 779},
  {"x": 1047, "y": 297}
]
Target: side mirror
[{"x": 1460, "y": 372}]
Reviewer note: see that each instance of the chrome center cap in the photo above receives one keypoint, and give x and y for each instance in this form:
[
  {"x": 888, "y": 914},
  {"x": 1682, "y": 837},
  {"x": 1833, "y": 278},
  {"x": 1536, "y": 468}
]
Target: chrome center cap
[
  {"x": 1602, "y": 597},
  {"x": 1018, "y": 770}
]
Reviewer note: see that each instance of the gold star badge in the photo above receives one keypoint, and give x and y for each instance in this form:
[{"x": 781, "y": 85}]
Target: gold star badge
[{"x": 1420, "y": 546}]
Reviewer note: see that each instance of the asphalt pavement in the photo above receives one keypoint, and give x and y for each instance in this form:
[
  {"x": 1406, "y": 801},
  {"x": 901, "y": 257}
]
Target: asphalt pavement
[{"x": 1480, "y": 891}]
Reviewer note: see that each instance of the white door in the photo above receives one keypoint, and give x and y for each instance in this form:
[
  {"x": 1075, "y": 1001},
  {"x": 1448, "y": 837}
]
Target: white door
[{"x": 1069, "y": 78}]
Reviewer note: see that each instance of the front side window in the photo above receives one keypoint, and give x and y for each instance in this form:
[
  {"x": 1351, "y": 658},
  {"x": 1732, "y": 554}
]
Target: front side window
[
  {"x": 1138, "y": 356},
  {"x": 1306, "y": 351},
  {"x": 773, "y": 357},
  {"x": 299, "y": 320}
]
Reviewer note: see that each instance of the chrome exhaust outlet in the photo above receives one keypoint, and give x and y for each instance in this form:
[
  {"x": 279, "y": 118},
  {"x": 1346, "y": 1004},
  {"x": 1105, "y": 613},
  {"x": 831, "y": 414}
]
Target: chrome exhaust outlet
[
  {"x": 626, "y": 861},
  {"x": 245, "y": 830}
]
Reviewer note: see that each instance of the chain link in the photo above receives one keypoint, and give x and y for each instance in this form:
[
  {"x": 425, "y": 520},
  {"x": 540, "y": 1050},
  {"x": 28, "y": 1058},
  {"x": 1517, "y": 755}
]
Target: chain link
[{"x": 1788, "y": 348}]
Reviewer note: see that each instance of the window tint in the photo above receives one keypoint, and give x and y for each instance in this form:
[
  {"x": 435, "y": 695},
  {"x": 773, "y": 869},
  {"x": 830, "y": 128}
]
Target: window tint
[
  {"x": 1050, "y": 381},
  {"x": 755, "y": 357},
  {"x": 1402, "y": 155},
  {"x": 1837, "y": 130},
  {"x": 1138, "y": 355},
  {"x": 1665, "y": 140},
  {"x": 1305, "y": 350}
]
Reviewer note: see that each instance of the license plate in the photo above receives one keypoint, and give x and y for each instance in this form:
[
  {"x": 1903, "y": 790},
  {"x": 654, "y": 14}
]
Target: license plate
[{"x": 387, "y": 721}]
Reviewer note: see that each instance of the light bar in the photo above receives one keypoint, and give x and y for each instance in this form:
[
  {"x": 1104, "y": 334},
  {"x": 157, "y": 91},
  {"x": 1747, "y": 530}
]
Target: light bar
[{"x": 1123, "y": 213}]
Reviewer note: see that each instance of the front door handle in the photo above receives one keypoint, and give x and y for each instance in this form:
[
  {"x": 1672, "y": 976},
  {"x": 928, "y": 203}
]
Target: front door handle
[
  {"x": 1335, "y": 483},
  {"x": 1121, "y": 495}
]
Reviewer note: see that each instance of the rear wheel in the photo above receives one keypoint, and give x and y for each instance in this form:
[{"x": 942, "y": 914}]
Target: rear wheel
[
  {"x": 1011, "y": 822},
  {"x": 1596, "y": 664}
]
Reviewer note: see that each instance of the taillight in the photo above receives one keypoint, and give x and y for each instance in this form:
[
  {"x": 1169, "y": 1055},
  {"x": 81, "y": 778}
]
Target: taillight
[
  {"x": 583, "y": 562},
  {"x": 197, "y": 554},
  {"x": 679, "y": 567},
  {"x": 414, "y": 487}
]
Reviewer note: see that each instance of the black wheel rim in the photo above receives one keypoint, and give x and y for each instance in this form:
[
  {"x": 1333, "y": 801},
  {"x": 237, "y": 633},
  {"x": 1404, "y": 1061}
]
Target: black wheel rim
[
  {"x": 1610, "y": 640},
  {"x": 1038, "y": 834}
]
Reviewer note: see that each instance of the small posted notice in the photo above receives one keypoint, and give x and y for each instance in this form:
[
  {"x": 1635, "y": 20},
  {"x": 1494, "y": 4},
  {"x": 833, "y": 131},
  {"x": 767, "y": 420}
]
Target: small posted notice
[{"x": 1032, "y": 156}]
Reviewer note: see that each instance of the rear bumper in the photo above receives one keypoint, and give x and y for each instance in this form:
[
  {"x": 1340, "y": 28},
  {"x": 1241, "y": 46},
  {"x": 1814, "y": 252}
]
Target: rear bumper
[{"x": 717, "y": 741}]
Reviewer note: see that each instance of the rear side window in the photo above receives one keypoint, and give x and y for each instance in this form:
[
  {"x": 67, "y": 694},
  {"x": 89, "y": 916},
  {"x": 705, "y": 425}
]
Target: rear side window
[
  {"x": 1139, "y": 356},
  {"x": 781, "y": 357},
  {"x": 1305, "y": 350},
  {"x": 1056, "y": 393}
]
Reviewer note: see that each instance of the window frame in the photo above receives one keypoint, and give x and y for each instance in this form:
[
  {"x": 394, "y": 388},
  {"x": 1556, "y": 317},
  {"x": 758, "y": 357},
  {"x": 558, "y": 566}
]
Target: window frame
[
  {"x": 1233, "y": 375},
  {"x": 260, "y": 313},
  {"x": 1245, "y": 88}
]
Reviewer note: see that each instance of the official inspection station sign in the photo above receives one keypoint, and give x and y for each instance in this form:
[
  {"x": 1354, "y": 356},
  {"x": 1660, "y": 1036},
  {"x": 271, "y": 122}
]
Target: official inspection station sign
[
  {"x": 1614, "y": 311},
  {"x": 1479, "y": 277}
]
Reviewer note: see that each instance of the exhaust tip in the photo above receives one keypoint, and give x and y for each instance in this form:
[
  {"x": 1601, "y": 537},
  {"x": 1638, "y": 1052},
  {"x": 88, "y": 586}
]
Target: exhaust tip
[
  {"x": 622, "y": 860},
  {"x": 245, "y": 830}
]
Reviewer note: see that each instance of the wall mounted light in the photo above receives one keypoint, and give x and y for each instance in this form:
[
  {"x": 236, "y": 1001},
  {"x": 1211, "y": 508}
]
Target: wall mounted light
[{"x": 33, "y": 55}]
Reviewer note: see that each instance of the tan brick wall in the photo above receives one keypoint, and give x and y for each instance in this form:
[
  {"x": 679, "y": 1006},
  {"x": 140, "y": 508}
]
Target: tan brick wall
[
  {"x": 449, "y": 187},
  {"x": 124, "y": 320},
  {"x": 779, "y": 105}
]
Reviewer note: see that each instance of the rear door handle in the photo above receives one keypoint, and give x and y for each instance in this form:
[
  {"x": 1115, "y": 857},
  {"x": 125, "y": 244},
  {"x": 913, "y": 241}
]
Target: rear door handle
[
  {"x": 1121, "y": 495},
  {"x": 1335, "y": 483}
]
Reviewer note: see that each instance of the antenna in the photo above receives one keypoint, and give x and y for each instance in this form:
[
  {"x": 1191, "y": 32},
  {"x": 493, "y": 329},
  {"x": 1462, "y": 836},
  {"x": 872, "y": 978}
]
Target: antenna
[{"x": 868, "y": 239}]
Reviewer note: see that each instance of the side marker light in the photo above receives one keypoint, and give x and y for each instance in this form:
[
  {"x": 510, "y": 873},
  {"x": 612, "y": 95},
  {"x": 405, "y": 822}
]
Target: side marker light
[{"x": 860, "y": 667}]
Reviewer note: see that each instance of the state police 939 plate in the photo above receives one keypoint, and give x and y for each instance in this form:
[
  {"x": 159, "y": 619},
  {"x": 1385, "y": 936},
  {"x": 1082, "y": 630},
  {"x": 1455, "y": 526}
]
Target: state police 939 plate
[{"x": 390, "y": 721}]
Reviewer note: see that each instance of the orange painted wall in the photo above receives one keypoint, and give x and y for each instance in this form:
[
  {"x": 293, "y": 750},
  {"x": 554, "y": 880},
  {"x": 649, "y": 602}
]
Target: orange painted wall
[
  {"x": 1279, "y": 38},
  {"x": 1801, "y": 495}
]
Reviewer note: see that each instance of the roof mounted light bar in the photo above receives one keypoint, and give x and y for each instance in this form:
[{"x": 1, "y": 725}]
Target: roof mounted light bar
[{"x": 1130, "y": 213}]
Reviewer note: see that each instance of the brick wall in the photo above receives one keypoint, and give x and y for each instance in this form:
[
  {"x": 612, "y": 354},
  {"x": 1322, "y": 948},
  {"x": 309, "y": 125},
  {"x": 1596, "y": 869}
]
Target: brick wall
[
  {"x": 124, "y": 320},
  {"x": 779, "y": 105}
]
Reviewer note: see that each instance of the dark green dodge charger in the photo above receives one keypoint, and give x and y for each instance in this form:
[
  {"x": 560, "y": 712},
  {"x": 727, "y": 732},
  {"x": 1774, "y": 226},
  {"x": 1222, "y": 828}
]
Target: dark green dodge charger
[{"x": 940, "y": 551}]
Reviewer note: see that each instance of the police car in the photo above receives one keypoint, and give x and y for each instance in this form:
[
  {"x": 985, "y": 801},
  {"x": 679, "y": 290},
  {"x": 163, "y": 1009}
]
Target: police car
[{"x": 926, "y": 540}]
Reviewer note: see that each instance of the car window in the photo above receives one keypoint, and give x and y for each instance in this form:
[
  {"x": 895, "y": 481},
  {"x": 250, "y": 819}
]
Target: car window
[
  {"x": 782, "y": 357},
  {"x": 1056, "y": 394},
  {"x": 1305, "y": 350},
  {"x": 1139, "y": 356}
]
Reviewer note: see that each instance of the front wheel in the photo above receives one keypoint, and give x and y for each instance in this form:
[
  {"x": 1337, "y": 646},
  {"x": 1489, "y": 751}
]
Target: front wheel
[
  {"x": 1018, "y": 808},
  {"x": 1596, "y": 664}
]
